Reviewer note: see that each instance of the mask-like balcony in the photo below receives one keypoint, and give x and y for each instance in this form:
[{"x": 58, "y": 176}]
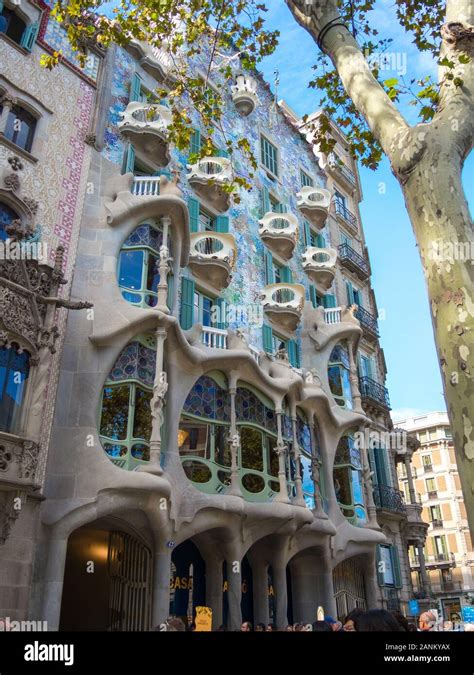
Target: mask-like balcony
[
  {"x": 320, "y": 266},
  {"x": 157, "y": 61},
  {"x": 244, "y": 94},
  {"x": 283, "y": 304},
  {"x": 279, "y": 231},
  {"x": 354, "y": 261},
  {"x": 207, "y": 178},
  {"x": 368, "y": 323},
  {"x": 146, "y": 127},
  {"x": 374, "y": 395},
  {"x": 314, "y": 203},
  {"x": 212, "y": 257}
]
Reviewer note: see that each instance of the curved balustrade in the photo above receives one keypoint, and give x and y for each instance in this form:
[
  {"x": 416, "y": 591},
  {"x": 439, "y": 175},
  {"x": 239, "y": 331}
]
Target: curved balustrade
[
  {"x": 207, "y": 178},
  {"x": 146, "y": 186},
  {"x": 320, "y": 266},
  {"x": 314, "y": 204},
  {"x": 212, "y": 257},
  {"x": 279, "y": 231},
  {"x": 283, "y": 303},
  {"x": 244, "y": 94},
  {"x": 146, "y": 126}
]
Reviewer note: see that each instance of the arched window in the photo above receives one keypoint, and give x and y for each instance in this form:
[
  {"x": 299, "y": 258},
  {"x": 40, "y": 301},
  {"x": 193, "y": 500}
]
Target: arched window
[
  {"x": 20, "y": 127},
  {"x": 14, "y": 371},
  {"x": 348, "y": 483},
  {"x": 125, "y": 418},
  {"x": 138, "y": 265},
  {"x": 338, "y": 373},
  {"x": 7, "y": 216}
]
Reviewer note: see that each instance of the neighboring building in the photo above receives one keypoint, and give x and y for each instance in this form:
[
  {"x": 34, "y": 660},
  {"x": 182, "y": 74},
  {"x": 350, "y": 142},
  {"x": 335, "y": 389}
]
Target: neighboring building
[
  {"x": 200, "y": 422},
  {"x": 448, "y": 553}
]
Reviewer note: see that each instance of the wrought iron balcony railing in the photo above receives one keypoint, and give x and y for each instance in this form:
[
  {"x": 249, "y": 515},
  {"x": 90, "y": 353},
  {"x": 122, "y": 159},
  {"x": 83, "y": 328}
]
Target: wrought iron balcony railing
[
  {"x": 368, "y": 322},
  {"x": 437, "y": 523},
  {"x": 386, "y": 497},
  {"x": 375, "y": 392},
  {"x": 354, "y": 261},
  {"x": 345, "y": 214}
]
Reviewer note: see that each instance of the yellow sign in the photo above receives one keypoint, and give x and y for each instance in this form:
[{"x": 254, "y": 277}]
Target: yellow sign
[{"x": 203, "y": 619}]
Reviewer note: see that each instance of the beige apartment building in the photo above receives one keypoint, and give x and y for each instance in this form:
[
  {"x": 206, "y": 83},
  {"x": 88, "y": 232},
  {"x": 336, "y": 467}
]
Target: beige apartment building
[{"x": 448, "y": 551}]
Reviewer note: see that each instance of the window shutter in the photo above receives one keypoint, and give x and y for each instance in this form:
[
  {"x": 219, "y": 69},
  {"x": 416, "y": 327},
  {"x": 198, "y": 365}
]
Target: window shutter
[
  {"x": 220, "y": 152},
  {"x": 286, "y": 275},
  {"x": 281, "y": 207},
  {"x": 129, "y": 165},
  {"x": 169, "y": 299},
  {"x": 321, "y": 242},
  {"x": 267, "y": 333},
  {"x": 135, "y": 87},
  {"x": 193, "y": 208},
  {"x": 187, "y": 303},
  {"x": 195, "y": 142},
  {"x": 29, "y": 36},
  {"x": 266, "y": 206},
  {"x": 269, "y": 267},
  {"x": 222, "y": 315},
  {"x": 380, "y": 574},
  {"x": 397, "y": 573},
  {"x": 307, "y": 233},
  {"x": 294, "y": 353},
  {"x": 329, "y": 301},
  {"x": 222, "y": 224},
  {"x": 350, "y": 293},
  {"x": 312, "y": 296},
  {"x": 370, "y": 453}
]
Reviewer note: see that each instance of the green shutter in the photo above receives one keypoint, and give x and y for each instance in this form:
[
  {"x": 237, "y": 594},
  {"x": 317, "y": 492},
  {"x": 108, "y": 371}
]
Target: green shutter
[
  {"x": 397, "y": 574},
  {"x": 383, "y": 475},
  {"x": 222, "y": 224},
  {"x": 135, "y": 87},
  {"x": 307, "y": 233},
  {"x": 265, "y": 204},
  {"x": 373, "y": 468},
  {"x": 222, "y": 320},
  {"x": 193, "y": 208},
  {"x": 195, "y": 142},
  {"x": 320, "y": 241},
  {"x": 312, "y": 296},
  {"x": 286, "y": 275},
  {"x": 220, "y": 152},
  {"x": 269, "y": 267},
  {"x": 129, "y": 163},
  {"x": 329, "y": 301},
  {"x": 187, "y": 303},
  {"x": 294, "y": 353},
  {"x": 267, "y": 333},
  {"x": 29, "y": 36},
  {"x": 350, "y": 293},
  {"x": 380, "y": 574},
  {"x": 281, "y": 207},
  {"x": 1, "y": 6},
  {"x": 169, "y": 299}
]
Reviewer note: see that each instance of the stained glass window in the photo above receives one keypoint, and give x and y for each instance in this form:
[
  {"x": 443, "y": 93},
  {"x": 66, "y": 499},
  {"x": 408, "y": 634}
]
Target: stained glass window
[
  {"x": 249, "y": 408},
  {"x": 208, "y": 400},
  {"x": 348, "y": 484},
  {"x": 7, "y": 216},
  {"x": 14, "y": 372}
]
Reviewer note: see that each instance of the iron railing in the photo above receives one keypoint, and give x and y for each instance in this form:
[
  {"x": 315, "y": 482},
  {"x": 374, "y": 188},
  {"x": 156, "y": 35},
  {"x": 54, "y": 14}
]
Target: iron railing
[
  {"x": 386, "y": 497},
  {"x": 346, "y": 214},
  {"x": 354, "y": 260},
  {"x": 370, "y": 389},
  {"x": 367, "y": 321}
]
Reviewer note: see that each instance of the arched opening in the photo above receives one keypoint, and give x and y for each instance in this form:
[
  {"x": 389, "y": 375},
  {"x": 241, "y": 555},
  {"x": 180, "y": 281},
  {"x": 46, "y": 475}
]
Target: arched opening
[
  {"x": 125, "y": 419},
  {"x": 138, "y": 265},
  {"x": 349, "y": 587},
  {"x": 107, "y": 581},
  {"x": 348, "y": 480},
  {"x": 14, "y": 373},
  {"x": 188, "y": 581}
]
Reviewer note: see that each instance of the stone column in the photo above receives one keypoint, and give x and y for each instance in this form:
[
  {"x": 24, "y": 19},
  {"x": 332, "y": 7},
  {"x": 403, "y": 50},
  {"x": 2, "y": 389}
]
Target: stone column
[
  {"x": 8, "y": 101},
  {"x": 316, "y": 464},
  {"x": 370, "y": 582},
  {"x": 234, "y": 593},
  {"x": 354, "y": 381},
  {"x": 161, "y": 586},
  {"x": 411, "y": 485},
  {"x": 234, "y": 442},
  {"x": 157, "y": 403},
  {"x": 214, "y": 584},
  {"x": 164, "y": 268},
  {"x": 299, "y": 499},
  {"x": 281, "y": 595},
  {"x": 260, "y": 592},
  {"x": 281, "y": 450},
  {"x": 421, "y": 558},
  {"x": 53, "y": 582}
]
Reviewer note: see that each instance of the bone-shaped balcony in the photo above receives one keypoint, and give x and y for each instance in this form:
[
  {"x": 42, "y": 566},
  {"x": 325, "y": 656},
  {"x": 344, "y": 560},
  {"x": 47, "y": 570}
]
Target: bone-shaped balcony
[
  {"x": 212, "y": 257},
  {"x": 320, "y": 266},
  {"x": 146, "y": 127},
  {"x": 283, "y": 304},
  {"x": 314, "y": 203},
  {"x": 244, "y": 94},
  {"x": 279, "y": 231},
  {"x": 208, "y": 177}
]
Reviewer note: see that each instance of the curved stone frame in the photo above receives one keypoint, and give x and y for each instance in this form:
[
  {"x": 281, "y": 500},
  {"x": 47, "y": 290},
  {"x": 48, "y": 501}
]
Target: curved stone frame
[
  {"x": 10, "y": 338},
  {"x": 24, "y": 100},
  {"x": 354, "y": 520}
]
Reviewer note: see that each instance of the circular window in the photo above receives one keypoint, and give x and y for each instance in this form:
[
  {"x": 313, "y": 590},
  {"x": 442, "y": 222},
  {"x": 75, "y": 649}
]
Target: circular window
[
  {"x": 224, "y": 477},
  {"x": 315, "y": 197},
  {"x": 253, "y": 483},
  {"x": 208, "y": 246},
  {"x": 210, "y": 167},
  {"x": 197, "y": 472},
  {"x": 283, "y": 295},
  {"x": 321, "y": 257},
  {"x": 273, "y": 485}
]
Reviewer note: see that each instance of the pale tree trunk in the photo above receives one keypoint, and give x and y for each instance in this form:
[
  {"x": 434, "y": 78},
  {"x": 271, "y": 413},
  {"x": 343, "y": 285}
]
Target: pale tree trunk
[{"x": 427, "y": 161}]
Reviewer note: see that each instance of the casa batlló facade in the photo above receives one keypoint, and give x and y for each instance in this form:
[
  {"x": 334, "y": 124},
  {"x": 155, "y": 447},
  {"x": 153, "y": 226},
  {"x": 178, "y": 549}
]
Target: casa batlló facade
[{"x": 183, "y": 377}]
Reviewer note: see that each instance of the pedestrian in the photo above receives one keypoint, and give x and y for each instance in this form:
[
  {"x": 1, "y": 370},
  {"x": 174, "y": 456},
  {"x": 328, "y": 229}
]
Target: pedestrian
[
  {"x": 349, "y": 626},
  {"x": 336, "y": 626},
  {"x": 402, "y": 621},
  {"x": 246, "y": 627},
  {"x": 270, "y": 628},
  {"x": 260, "y": 628},
  {"x": 427, "y": 622},
  {"x": 377, "y": 620}
]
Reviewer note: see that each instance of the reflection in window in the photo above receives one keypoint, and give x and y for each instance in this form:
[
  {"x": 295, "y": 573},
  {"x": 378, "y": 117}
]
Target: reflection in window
[
  {"x": 339, "y": 376},
  {"x": 125, "y": 419},
  {"x": 138, "y": 272},
  {"x": 20, "y": 127},
  {"x": 348, "y": 484},
  {"x": 251, "y": 448},
  {"x": 14, "y": 371}
]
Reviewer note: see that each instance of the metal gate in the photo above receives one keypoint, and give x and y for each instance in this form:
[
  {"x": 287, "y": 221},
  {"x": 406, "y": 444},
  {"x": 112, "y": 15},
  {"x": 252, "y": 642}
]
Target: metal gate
[
  {"x": 130, "y": 572},
  {"x": 349, "y": 590}
]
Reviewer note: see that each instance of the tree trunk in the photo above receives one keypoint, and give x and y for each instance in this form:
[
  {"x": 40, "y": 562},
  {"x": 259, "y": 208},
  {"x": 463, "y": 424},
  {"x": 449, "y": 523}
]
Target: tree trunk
[{"x": 443, "y": 229}]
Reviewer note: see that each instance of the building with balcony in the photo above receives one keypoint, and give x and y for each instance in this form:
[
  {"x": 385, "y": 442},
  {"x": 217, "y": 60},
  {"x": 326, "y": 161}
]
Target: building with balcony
[
  {"x": 443, "y": 568},
  {"x": 202, "y": 412}
]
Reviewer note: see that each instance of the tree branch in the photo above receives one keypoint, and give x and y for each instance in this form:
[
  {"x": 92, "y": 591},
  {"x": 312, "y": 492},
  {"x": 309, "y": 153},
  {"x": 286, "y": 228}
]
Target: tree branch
[{"x": 382, "y": 117}]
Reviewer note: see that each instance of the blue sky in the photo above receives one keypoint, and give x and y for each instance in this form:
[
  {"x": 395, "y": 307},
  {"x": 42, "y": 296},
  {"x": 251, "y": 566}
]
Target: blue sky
[{"x": 413, "y": 379}]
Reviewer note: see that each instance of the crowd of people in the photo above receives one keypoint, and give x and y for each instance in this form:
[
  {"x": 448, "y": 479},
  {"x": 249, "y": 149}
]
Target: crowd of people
[{"x": 357, "y": 621}]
